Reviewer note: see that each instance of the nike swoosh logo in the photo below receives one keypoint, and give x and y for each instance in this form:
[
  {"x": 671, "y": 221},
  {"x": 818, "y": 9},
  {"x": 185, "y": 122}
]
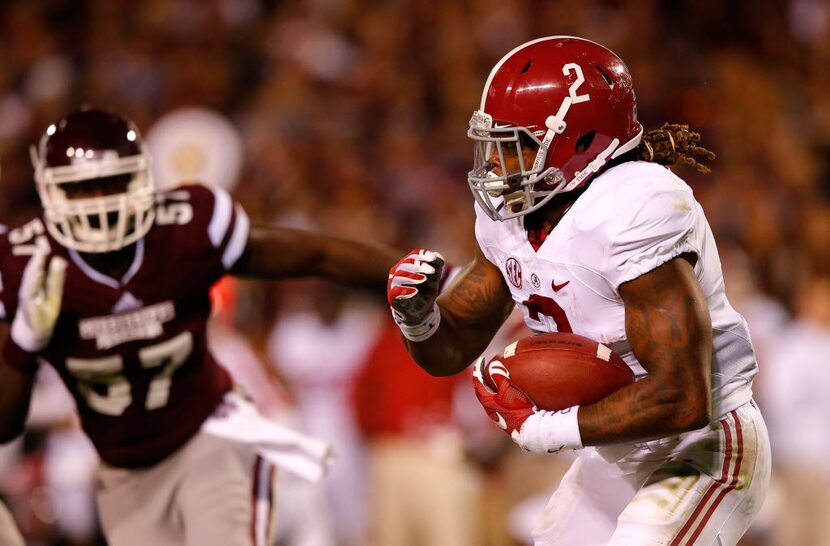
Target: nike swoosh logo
[{"x": 558, "y": 287}]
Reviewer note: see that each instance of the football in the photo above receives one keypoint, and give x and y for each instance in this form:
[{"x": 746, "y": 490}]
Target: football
[{"x": 560, "y": 370}]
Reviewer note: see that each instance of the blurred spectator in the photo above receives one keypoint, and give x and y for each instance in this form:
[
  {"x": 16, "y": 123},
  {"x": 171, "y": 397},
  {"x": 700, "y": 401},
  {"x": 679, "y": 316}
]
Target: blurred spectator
[
  {"x": 796, "y": 404},
  {"x": 318, "y": 348},
  {"x": 766, "y": 316},
  {"x": 422, "y": 490}
]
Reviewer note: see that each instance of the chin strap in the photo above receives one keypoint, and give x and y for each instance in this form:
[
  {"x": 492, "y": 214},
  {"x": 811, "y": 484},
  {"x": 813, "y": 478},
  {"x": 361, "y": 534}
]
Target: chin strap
[{"x": 613, "y": 151}]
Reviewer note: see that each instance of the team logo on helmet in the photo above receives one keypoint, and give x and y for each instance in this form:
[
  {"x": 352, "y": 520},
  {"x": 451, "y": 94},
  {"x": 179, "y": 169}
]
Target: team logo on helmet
[{"x": 514, "y": 272}]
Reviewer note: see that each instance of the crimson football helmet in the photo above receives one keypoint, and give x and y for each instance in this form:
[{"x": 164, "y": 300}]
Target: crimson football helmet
[
  {"x": 92, "y": 175},
  {"x": 553, "y": 112}
]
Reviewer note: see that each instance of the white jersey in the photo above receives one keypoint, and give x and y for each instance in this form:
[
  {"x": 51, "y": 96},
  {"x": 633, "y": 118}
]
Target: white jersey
[{"x": 631, "y": 219}]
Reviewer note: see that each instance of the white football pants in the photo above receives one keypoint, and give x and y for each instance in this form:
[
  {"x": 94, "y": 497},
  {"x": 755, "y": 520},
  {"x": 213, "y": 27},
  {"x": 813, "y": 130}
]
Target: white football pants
[{"x": 701, "y": 487}]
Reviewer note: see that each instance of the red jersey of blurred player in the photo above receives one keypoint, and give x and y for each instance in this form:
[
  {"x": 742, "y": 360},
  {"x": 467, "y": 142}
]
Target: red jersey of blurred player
[
  {"x": 129, "y": 339},
  {"x": 132, "y": 350}
]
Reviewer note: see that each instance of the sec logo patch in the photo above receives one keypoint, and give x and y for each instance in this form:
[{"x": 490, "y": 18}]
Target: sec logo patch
[{"x": 513, "y": 269}]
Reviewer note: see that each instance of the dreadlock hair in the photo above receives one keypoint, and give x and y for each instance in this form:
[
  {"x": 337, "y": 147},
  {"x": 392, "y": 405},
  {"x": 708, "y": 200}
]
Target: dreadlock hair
[{"x": 674, "y": 144}]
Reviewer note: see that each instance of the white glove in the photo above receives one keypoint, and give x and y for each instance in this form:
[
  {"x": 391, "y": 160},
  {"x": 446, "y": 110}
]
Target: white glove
[{"x": 39, "y": 302}]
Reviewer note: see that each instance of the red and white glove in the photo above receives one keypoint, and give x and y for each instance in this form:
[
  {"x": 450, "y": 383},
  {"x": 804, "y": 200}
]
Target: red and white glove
[
  {"x": 413, "y": 286},
  {"x": 532, "y": 429}
]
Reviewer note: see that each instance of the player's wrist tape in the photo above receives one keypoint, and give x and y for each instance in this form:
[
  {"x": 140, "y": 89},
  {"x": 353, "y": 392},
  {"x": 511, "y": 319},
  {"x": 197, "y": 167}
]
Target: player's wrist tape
[
  {"x": 550, "y": 431},
  {"x": 424, "y": 329}
]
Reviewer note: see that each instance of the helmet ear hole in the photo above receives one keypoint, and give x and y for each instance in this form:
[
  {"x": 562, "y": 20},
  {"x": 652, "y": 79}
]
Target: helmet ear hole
[
  {"x": 526, "y": 67},
  {"x": 527, "y": 142},
  {"x": 584, "y": 142},
  {"x": 605, "y": 77}
]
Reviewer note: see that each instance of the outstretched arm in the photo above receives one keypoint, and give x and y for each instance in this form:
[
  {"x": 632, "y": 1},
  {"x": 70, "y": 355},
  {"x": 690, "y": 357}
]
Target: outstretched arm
[
  {"x": 668, "y": 326},
  {"x": 472, "y": 309},
  {"x": 277, "y": 253}
]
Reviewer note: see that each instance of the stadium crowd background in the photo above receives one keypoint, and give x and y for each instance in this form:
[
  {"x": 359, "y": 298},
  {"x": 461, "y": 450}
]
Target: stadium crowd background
[{"x": 353, "y": 116}]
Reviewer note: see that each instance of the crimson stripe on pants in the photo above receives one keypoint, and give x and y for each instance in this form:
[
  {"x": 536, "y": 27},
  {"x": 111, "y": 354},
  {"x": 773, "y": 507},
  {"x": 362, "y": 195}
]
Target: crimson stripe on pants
[
  {"x": 727, "y": 432},
  {"x": 270, "y": 496},
  {"x": 732, "y": 483}
]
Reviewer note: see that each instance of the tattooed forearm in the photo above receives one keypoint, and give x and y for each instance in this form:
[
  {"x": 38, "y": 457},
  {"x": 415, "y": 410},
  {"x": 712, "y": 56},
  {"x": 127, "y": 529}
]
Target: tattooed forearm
[
  {"x": 472, "y": 309},
  {"x": 478, "y": 297},
  {"x": 669, "y": 329}
]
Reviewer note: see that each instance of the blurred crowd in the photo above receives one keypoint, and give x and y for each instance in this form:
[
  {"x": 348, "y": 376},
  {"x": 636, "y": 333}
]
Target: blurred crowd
[{"x": 350, "y": 117}]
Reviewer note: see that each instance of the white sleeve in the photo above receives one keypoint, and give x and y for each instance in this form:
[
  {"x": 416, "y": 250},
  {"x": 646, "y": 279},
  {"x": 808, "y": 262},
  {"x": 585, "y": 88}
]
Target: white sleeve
[
  {"x": 228, "y": 228},
  {"x": 659, "y": 228}
]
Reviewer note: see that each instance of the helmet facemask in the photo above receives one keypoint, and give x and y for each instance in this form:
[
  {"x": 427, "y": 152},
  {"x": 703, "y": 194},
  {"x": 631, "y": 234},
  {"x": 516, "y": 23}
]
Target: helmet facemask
[
  {"x": 99, "y": 223},
  {"x": 508, "y": 179}
]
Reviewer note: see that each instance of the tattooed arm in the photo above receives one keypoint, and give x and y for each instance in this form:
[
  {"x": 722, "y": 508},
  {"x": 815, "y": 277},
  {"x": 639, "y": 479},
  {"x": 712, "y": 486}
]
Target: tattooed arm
[
  {"x": 472, "y": 309},
  {"x": 667, "y": 323}
]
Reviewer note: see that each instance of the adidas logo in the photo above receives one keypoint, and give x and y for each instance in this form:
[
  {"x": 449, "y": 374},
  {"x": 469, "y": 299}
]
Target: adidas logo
[{"x": 127, "y": 302}]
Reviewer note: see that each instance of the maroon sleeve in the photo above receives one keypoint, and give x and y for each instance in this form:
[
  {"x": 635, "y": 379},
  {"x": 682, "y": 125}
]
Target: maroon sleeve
[
  {"x": 215, "y": 226},
  {"x": 9, "y": 279}
]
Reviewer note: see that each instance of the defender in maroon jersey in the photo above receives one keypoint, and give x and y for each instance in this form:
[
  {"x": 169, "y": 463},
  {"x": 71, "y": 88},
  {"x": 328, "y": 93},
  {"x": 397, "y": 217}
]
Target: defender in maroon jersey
[{"x": 129, "y": 335}]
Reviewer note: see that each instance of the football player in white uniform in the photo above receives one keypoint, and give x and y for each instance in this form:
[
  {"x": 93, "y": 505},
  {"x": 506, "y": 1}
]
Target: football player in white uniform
[{"x": 581, "y": 226}]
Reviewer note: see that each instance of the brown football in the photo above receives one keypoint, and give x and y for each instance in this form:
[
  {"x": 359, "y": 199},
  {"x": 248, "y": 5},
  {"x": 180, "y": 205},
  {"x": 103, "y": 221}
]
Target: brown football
[{"x": 561, "y": 370}]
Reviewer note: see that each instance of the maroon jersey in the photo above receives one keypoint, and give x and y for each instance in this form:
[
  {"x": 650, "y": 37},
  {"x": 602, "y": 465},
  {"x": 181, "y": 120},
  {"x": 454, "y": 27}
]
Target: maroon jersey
[{"x": 133, "y": 351}]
